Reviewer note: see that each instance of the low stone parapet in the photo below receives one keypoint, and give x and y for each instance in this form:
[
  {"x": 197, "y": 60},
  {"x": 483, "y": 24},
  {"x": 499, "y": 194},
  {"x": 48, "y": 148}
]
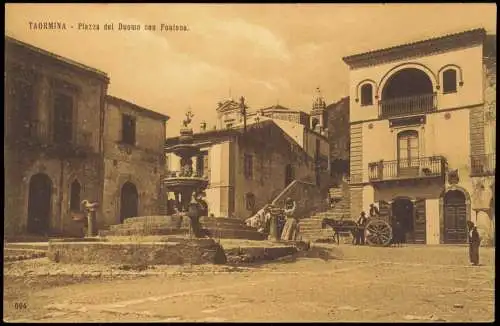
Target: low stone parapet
[{"x": 172, "y": 251}]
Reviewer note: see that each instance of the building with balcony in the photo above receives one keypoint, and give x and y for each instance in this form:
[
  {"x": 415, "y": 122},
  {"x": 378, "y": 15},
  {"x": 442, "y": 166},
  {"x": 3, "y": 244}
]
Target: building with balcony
[
  {"x": 66, "y": 140},
  {"x": 422, "y": 135},
  {"x": 248, "y": 168}
]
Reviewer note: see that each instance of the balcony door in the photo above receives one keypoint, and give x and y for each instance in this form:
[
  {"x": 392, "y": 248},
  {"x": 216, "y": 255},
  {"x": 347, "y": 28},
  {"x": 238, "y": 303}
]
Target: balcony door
[{"x": 408, "y": 154}]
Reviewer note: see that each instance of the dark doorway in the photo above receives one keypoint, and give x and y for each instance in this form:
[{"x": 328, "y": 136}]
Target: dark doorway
[
  {"x": 128, "y": 201},
  {"x": 289, "y": 175},
  {"x": 402, "y": 210},
  {"x": 40, "y": 195},
  {"x": 455, "y": 217}
]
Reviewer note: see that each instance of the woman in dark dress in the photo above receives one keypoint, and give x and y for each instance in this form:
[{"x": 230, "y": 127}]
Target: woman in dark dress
[{"x": 474, "y": 243}]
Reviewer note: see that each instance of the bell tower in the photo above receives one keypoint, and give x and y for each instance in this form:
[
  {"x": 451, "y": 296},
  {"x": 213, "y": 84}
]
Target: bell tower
[{"x": 318, "y": 113}]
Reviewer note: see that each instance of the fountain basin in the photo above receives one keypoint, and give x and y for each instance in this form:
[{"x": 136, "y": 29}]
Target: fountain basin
[
  {"x": 181, "y": 184},
  {"x": 184, "y": 150},
  {"x": 163, "y": 251}
]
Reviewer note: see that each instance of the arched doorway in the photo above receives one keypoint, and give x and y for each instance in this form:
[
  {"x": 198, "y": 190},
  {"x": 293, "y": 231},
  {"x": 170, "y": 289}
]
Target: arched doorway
[
  {"x": 129, "y": 201},
  {"x": 409, "y": 90},
  {"x": 455, "y": 217},
  {"x": 39, "y": 203},
  {"x": 402, "y": 210},
  {"x": 289, "y": 175}
]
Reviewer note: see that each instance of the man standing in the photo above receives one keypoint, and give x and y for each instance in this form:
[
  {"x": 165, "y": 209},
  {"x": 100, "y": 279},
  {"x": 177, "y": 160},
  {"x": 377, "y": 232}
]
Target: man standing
[
  {"x": 474, "y": 243},
  {"x": 360, "y": 233}
]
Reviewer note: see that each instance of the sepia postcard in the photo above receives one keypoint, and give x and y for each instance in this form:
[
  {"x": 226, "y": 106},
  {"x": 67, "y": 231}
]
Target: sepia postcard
[{"x": 300, "y": 162}]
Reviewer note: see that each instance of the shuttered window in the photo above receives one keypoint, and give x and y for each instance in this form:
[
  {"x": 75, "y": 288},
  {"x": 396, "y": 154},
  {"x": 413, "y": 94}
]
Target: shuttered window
[{"x": 63, "y": 118}]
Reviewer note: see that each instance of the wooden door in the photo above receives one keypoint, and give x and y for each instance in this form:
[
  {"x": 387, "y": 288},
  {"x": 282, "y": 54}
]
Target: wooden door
[
  {"x": 419, "y": 228},
  {"x": 128, "y": 201},
  {"x": 39, "y": 204},
  {"x": 455, "y": 217}
]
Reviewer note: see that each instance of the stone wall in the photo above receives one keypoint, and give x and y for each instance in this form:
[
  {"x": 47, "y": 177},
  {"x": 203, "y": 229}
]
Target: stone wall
[
  {"x": 176, "y": 251},
  {"x": 338, "y": 129},
  {"x": 308, "y": 198},
  {"x": 270, "y": 156}
]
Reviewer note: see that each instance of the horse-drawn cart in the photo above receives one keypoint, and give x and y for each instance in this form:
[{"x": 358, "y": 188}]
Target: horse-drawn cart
[{"x": 378, "y": 230}]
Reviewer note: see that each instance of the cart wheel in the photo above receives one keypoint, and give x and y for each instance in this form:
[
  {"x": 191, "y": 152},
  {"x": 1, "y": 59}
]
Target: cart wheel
[{"x": 378, "y": 233}]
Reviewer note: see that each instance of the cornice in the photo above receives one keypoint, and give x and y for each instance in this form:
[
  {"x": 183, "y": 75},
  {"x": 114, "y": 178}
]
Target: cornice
[{"x": 415, "y": 49}]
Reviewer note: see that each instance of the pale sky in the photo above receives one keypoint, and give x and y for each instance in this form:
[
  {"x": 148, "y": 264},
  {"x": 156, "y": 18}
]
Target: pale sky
[{"x": 267, "y": 53}]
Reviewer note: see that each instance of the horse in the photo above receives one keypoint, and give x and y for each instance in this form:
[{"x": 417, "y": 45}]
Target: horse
[{"x": 340, "y": 226}]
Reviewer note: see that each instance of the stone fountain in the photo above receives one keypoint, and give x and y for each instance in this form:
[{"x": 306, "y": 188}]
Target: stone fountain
[
  {"x": 186, "y": 185},
  {"x": 149, "y": 240}
]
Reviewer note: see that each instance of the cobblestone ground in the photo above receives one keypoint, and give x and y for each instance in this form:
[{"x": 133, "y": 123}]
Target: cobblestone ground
[{"x": 413, "y": 283}]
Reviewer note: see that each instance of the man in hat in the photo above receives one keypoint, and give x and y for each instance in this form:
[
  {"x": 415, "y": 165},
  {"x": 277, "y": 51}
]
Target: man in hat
[
  {"x": 474, "y": 243},
  {"x": 360, "y": 232}
]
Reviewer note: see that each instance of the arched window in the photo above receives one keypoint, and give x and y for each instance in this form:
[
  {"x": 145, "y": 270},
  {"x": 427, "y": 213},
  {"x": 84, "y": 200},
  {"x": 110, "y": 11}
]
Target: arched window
[
  {"x": 450, "y": 81},
  {"x": 366, "y": 94},
  {"x": 74, "y": 203}
]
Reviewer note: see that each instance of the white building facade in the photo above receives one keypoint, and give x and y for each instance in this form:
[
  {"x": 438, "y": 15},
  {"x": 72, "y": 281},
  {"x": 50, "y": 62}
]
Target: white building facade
[{"x": 422, "y": 123}]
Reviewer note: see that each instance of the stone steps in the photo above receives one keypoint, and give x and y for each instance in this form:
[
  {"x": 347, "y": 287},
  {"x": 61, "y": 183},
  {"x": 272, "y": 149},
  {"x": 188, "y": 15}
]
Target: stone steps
[
  {"x": 219, "y": 227},
  {"x": 310, "y": 228}
]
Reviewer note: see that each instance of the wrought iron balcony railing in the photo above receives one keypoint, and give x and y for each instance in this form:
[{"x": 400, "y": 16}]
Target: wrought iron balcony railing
[
  {"x": 404, "y": 106},
  {"x": 483, "y": 165},
  {"x": 34, "y": 130},
  {"x": 423, "y": 167}
]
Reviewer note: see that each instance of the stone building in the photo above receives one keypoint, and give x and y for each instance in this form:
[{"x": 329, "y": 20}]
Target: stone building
[
  {"x": 133, "y": 160},
  {"x": 53, "y": 144},
  {"x": 248, "y": 169},
  {"x": 230, "y": 114},
  {"x": 422, "y": 123},
  {"x": 330, "y": 121},
  {"x": 61, "y": 144}
]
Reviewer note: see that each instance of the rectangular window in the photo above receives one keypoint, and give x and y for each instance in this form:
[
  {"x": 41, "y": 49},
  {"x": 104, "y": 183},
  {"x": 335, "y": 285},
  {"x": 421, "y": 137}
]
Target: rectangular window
[
  {"x": 25, "y": 107},
  {"x": 128, "y": 129},
  {"x": 63, "y": 118},
  {"x": 248, "y": 166},
  {"x": 450, "y": 81}
]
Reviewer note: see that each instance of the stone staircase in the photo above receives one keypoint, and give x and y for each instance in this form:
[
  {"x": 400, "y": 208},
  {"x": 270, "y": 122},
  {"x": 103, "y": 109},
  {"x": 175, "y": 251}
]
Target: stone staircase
[
  {"x": 218, "y": 227},
  {"x": 310, "y": 228}
]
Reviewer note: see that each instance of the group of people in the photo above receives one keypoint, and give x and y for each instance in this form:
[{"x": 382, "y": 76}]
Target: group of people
[{"x": 283, "y": 226}]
